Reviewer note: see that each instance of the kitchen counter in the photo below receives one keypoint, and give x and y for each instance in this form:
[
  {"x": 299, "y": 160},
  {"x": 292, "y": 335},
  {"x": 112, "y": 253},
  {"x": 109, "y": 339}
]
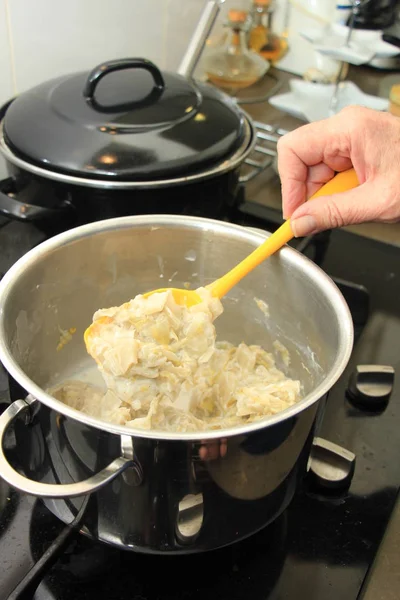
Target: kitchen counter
[{"x": 265, "y": 188}]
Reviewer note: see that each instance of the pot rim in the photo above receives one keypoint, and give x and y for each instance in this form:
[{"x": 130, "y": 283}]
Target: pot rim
[
  {"x": 345, "y": 323},
  {"x": 228, "y": 164}
]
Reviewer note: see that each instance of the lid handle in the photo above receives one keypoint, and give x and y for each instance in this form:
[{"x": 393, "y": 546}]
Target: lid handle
[{"x": 104, "y": 69}]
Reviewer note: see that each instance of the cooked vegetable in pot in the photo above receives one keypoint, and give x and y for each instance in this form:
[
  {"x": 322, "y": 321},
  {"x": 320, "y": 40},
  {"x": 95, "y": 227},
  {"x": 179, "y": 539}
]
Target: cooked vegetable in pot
[{"x": 164, "y": 369}]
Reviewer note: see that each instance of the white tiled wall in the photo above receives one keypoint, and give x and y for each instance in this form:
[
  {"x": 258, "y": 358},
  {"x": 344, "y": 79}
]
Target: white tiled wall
[{"x": 40, "y": 39}]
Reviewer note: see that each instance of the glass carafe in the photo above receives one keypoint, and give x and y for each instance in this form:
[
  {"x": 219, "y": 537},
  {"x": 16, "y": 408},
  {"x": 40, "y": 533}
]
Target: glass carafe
[
  {"x": 233, "y": 66},
  {"x": 262, "y": 38}
]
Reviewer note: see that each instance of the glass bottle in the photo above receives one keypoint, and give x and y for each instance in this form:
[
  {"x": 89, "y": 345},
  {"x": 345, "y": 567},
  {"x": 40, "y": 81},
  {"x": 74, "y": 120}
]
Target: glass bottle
[
  {"x": 233, "y": 66},
  {"x": 262, "y": 39}
]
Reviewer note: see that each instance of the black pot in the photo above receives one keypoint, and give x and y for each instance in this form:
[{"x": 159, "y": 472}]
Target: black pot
[{"x": 123, "y": 139}]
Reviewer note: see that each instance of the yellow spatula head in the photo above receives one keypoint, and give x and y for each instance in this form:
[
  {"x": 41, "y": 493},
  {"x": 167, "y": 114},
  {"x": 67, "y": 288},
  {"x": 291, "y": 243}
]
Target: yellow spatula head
[{"x": 182, "y": 297}]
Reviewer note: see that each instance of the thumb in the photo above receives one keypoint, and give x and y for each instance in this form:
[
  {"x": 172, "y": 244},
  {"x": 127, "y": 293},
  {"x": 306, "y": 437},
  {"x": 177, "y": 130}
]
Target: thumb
[{"x": 329, "y": 212}]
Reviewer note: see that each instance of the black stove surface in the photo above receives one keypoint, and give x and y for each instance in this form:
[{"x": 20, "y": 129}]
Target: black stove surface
[{"x": 321, "y": 547}]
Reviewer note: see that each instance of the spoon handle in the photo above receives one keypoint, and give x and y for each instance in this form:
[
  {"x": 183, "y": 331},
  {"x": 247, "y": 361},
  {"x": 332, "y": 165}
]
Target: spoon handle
[{"x": 342, "y": 182}]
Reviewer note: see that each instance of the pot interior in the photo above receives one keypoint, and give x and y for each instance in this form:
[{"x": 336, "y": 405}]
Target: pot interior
[{"x": 59, "y": 285}]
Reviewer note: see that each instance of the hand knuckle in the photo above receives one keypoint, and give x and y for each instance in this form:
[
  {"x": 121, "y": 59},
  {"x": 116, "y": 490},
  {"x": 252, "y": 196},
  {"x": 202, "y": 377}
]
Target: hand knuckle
[
  {"x": 358, "y": 118},
  {"x": 281, "y": 144},
  {"x": 334, "y": 216},
  {"x": 348, "y": 110},
  {"x": 285, "y": 142},
  {"x": 352, "y": 115}
]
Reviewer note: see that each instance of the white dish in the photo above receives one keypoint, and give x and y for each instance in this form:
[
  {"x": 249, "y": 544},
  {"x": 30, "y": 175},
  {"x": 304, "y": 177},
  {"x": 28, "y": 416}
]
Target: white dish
[
  {"x": 311, "y": 101},
  {"x": 364, "y": 45}
]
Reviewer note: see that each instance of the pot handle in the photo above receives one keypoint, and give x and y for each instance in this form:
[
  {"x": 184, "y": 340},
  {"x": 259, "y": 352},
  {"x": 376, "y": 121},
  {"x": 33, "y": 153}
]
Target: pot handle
[
  {"x": 22, "y": 408},
  {"x": 13, "y": 208},
  {"x": 111, "y": 66}
]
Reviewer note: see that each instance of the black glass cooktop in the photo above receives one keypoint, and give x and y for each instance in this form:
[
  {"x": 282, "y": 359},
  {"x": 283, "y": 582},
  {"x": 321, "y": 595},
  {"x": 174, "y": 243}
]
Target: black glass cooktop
[{"x": 322, "y": 546}]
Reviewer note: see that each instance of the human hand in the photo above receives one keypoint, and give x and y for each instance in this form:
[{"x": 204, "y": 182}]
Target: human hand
[{"x": 309, "y": 156}]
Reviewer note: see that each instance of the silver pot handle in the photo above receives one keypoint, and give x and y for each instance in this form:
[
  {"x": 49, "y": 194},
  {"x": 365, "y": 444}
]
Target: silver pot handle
[{"x": 46, "y": 490}]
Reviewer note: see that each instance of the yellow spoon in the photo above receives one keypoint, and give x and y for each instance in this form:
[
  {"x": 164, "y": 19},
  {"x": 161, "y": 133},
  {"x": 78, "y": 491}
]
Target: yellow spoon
[{"x": 341, "y": 182}]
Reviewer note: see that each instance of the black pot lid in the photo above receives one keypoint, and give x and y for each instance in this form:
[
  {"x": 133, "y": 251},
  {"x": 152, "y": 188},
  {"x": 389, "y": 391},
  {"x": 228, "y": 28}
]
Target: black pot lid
[{"x": 125, "y": 120}]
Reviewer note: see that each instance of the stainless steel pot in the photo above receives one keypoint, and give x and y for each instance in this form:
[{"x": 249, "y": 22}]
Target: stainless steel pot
[{"x": 150, "y": 491}]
